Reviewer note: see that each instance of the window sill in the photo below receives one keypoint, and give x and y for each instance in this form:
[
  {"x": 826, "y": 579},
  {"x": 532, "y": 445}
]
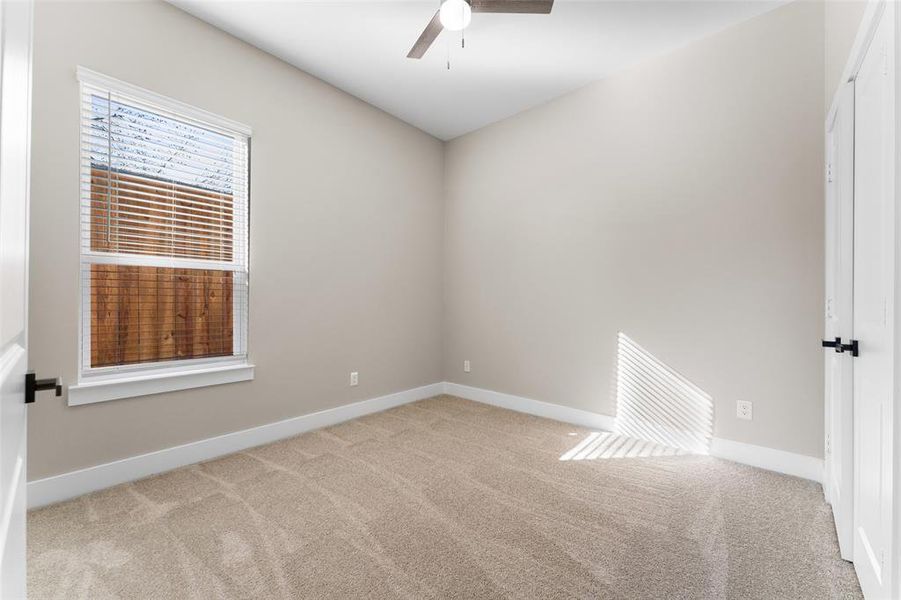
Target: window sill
[{"x": 88, "y": 392}]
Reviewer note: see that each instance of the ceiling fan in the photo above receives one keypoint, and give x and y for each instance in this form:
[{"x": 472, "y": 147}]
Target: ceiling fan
[{"x": 455, "y": 15}]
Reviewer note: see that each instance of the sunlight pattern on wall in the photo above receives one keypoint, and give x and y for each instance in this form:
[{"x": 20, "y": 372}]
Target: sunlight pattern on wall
[{"x": 656, "y": 404}]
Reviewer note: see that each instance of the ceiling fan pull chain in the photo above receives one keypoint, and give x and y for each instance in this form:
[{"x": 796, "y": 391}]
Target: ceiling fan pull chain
[{"x": 463, "y": 39}]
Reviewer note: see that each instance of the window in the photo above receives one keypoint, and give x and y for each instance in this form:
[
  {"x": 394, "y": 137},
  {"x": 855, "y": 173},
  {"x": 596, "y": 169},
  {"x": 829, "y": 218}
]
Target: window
[{"x": 164, "y": 232}]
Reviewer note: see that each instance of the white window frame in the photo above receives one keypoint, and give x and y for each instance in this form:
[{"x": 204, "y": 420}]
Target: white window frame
[{"x": 99, "y": 384}]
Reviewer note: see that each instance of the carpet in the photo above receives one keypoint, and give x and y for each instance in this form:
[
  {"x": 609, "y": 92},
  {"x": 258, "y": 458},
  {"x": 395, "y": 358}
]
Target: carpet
[{"x": 444, "y": 498}]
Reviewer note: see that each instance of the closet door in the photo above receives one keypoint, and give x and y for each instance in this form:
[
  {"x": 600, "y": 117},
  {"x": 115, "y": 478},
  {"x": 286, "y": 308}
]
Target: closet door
[{"x": 874, "y": 231}]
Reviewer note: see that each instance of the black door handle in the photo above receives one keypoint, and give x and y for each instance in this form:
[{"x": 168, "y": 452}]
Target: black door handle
[
  {"x": 841, "y": 348},
  {"x": 836, "y": 344},
  {"x": 853, "y": 348},
  {"x": 33, "y": 384}
]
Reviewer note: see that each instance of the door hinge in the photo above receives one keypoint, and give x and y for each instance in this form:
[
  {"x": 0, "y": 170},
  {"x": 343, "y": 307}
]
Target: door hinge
[{"x": 829, "y": 172}]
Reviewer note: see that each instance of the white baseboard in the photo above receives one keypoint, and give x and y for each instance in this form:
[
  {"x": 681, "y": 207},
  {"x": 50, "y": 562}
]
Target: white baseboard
[
  {"x": 532, "y": 407},
  {"x": 76, "y": 483},
  {"x": 799, "y": 465}
]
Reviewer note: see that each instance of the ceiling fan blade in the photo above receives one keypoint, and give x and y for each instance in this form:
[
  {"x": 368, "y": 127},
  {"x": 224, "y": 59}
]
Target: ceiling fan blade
[
  {"x": 537, "y": 7},
  {"x": 428, "y": 36}
]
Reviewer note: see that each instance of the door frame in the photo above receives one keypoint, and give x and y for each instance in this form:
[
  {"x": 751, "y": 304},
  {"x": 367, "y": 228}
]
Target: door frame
[{"x": 838, "y": 476}]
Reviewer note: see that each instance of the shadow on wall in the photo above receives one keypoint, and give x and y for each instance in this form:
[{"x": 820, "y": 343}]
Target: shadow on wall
[{"x": 658, "y": 412}]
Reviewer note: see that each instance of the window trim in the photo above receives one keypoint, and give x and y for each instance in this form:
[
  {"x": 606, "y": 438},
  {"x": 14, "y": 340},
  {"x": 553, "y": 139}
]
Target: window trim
[
  {"x": 99, "y": 388},
  {"x": 100, "y": 384}
]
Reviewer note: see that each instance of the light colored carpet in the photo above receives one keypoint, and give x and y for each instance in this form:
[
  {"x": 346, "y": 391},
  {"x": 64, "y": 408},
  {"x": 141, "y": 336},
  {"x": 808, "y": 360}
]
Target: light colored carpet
[{"x": 444, "y": 498}]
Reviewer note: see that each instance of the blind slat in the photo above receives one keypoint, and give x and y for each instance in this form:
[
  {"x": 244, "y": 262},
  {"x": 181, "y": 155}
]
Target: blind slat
[
  {"x": 218, "y": 236},
  {"x": 131, "y": 161},
  {"x": 100, "y": 141},
  {"x": 104, "y": 193},
  {"x": 95, "y": 101},
  {"x": 99, "y": 130},
  {"x": 167, "y": 224},
  {"x": 107, "y": 221}
]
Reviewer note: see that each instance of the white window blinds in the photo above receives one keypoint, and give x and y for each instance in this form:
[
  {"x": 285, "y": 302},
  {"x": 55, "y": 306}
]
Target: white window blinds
[{"x": 164, "y": 227}]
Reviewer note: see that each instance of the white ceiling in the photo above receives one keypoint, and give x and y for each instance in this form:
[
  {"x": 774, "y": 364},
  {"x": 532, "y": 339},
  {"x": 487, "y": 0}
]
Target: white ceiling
[{"x": 510, "y": 63}]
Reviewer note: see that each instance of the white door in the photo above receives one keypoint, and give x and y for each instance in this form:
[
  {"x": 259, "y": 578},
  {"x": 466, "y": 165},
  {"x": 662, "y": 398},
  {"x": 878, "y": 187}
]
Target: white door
[
  {"x": 15, "y": 118},
  {"x": 838, "y": 483},
  {"x": 874, "y": 219}
]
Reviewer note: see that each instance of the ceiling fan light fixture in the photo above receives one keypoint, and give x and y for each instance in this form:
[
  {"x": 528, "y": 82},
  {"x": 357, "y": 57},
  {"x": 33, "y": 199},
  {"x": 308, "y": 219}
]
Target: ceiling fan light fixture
[{"x": 455, "y": 15}]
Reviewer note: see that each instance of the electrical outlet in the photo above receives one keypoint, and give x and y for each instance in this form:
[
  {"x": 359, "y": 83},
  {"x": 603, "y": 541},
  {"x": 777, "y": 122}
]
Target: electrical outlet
[
  {"x": 354, "y": 378},
  {"x": 466, "y": 368},
  {"x": 744, "y": 410}
]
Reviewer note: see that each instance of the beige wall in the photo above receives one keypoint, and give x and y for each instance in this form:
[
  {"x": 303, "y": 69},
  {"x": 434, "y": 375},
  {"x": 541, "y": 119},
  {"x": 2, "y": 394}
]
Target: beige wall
[
  {"x": 346, "y": 233},
  {"x": 842, "y": 20},
  {"x": 680, "y": 202}
]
